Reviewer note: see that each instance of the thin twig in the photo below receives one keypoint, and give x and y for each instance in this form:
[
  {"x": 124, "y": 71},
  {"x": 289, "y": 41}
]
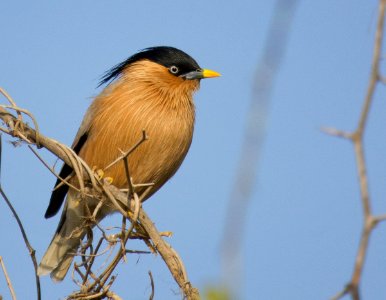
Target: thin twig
[
  {"x": 88, "y": 270},
  {"x": 152, "y": 286},
  {"x": 10, "y": 100},
  {"x": 369, "y": 220},
  {"x": 128, "y": 152},
  {"x": 26, "y": 241},
  {"x": 129, "y": 182},
  {"x": 174, "y": 263},
  {"x": 9, "y": 283},
  {"x": 19, "y": 111},
  {"x": 337, "y": 133},
  {"x": 63, "y": 180},
  {"x": 137, "y": 251}
]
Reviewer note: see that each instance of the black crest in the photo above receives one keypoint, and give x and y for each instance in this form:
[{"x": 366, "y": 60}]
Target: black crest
[{"x": 163, "y": 55}]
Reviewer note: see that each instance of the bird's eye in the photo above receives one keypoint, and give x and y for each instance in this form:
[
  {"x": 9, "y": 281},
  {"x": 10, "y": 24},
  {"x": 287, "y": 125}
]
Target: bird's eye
[{"x": 173, "y": 69}]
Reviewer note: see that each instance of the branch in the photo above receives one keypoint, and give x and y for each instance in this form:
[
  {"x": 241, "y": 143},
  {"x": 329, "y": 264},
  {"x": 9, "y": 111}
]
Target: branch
[
  {"x": 26, "y": 241},
  {"x": 356, "y": 137},
  {"x": 13, "y": 295},
  {"x": 15, "y": 127},
  {"x": 31, "y": 250},
  {"x": 152, "y": 286}
]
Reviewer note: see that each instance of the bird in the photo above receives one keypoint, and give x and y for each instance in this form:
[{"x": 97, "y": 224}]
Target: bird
[{"x": 150, "y": 91}]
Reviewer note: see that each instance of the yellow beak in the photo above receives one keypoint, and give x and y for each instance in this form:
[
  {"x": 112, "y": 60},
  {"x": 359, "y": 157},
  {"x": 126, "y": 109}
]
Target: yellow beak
[
  {"x": 209, "y": 73},
  {"x": 201, "y": 73}
]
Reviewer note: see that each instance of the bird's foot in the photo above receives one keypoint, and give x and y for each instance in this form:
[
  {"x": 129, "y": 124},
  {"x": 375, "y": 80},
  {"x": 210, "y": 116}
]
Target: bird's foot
[
  {"x": 99, "y": 172},
  {"x": 108, "y": 180},
  {"x": 101, "y": 175}
]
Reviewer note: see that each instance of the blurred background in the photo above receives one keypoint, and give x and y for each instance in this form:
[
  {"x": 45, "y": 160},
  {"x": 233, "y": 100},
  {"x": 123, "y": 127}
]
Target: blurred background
[{"x": 299, "y": 235}]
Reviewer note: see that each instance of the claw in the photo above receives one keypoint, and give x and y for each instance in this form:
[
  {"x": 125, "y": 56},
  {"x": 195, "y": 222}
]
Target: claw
[
  {"x": 100, "y": 173},
  {"x": 109, "y": 180}
]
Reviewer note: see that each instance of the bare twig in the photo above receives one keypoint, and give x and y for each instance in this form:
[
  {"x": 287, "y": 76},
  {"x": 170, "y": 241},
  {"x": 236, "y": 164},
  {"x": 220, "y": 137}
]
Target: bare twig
[
  {"x": 173, "y": 262},
  {"x": 26, "y": 241},
  {"x": 25, "y": 238},
  {"x": 128, "y": 152},
  {"x": 152, "y": 286},
  {"x": 63, "y": 180},
  {"x": 337, "y": 133},
  {"x": 369, "y": 220},
  {"x": 9, "y": 283},
  {"x": 19, "y": 112}
]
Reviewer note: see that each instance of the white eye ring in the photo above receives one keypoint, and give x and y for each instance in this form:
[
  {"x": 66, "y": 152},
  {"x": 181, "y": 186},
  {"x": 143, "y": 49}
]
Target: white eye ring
[{"x": 173, "y": 69}]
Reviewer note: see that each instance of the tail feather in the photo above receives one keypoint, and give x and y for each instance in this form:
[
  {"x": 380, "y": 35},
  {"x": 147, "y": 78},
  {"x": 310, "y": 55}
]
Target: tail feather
[
  {"x": 61, "y": 270},
  {"x": 59, "y": 255}
]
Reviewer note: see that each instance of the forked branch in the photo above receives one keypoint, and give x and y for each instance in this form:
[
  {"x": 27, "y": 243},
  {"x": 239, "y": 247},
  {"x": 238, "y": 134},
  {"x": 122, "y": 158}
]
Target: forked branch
[{"x": 356, "y": 137}]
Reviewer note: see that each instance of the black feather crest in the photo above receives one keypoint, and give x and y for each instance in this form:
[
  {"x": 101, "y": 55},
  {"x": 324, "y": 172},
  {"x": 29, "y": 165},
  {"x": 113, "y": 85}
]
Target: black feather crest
[{"x": 163, "y": 55}]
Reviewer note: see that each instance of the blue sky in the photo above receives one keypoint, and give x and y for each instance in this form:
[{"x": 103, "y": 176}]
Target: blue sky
[{"x": 304, "y": 220}]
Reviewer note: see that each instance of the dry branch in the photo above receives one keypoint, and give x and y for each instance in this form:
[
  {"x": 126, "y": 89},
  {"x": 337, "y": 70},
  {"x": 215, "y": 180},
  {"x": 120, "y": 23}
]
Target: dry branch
[
  {"x": 9, "y": 283},
  {"x": 145, "y": 229},
  {"x": 356, "y": 137},
  {"x": 31, "y": 250}
]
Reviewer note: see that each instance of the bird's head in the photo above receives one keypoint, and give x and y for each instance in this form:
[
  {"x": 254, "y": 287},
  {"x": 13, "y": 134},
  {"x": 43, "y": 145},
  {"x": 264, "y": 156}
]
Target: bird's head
[{"x": 165, "y": 67}]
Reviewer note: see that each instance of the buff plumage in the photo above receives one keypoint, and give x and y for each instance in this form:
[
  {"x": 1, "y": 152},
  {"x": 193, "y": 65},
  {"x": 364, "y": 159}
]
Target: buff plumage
[{"x": 152, "y": 91}]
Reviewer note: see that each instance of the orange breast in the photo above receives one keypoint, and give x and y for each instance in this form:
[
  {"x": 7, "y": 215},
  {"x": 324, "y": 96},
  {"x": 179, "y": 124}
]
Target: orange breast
[{"x": 120, "y": 114}]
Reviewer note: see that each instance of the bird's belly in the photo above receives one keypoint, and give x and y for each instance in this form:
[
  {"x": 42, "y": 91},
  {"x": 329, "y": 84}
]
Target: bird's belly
[{"x": 154, "y": 161}]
